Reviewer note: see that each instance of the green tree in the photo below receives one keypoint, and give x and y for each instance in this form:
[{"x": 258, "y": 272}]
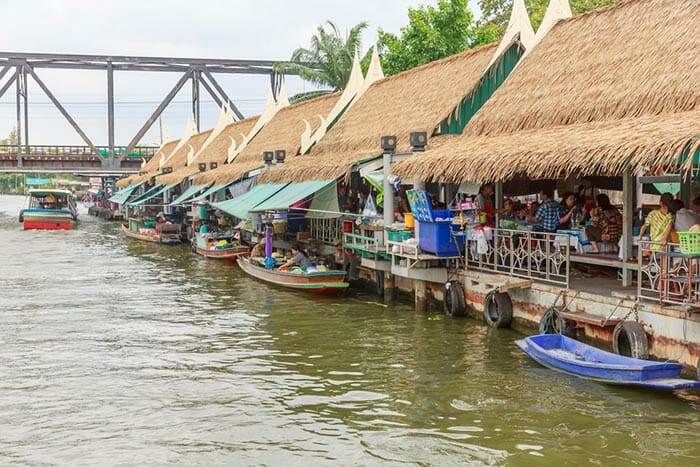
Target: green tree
[
  {"x": 11, "y": 138},
  {"x": 497, "y": 12},
  {"x": 432, "y": 33},
  {"x": 328, "y": 61}
]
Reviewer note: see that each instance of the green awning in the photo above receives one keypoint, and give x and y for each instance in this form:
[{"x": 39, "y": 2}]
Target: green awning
[
  {"x": 325, "y": 203},
  {"x": 241, "y": 205},
  {"x": 292, "y": 193},
  {"x": 121, "y": 196},
  {"x": 145, "y": 194},
  {"x": 142, "y": 199},
  {"x": 188, "y": 193},
  {"x": 210, "y": 191}
]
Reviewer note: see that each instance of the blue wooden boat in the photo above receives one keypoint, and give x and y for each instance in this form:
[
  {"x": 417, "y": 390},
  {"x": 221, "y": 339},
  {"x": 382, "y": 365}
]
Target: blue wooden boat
[{"x": 570, "y": 356}]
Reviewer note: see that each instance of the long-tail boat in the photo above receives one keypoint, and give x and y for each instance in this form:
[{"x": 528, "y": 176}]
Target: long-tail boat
[
  {"x": 321, "y": 282},
  {"x": 49, "y": 209}
]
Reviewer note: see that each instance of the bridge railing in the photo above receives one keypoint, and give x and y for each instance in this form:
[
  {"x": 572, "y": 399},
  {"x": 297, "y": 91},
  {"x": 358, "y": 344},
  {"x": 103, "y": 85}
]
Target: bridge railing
[{"x": 70, "y": 150}]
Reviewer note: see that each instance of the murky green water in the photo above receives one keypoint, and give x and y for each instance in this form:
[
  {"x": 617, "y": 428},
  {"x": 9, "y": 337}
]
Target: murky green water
[{"x": 116, "y": 352}]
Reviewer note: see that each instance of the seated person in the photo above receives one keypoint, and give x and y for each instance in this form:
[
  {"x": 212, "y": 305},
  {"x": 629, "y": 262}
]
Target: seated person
[
  {"x": 660, "y": 223},
  {"x": 299, "y": 259},
  {"x": 606, "y": 224},
  {"x": 547, "y": 214},
  {"x": 568, "y": 210},
  {"x": 507, "y": 213}
]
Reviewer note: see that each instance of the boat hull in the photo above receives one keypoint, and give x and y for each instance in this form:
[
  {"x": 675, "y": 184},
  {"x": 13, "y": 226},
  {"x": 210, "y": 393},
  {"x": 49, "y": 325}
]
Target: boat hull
[
  {"x": 227, "y": 254},
  {"x": 45, "y": 219},
  {"x": 569, "y": 356},
  {"x": 318, "y": 282},
  {"x": 151, "y": 238}
]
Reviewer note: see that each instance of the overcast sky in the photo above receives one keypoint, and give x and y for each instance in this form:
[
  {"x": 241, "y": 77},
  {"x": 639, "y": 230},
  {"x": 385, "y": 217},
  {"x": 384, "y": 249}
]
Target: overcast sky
[{"x": 240, "y": 29}]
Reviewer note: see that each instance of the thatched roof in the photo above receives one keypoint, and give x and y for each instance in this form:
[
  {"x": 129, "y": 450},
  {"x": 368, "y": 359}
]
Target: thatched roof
[
  {"x": 282, "y": 132},
  {"x": 216, "y": 151},
  {"x": 604, "y": 86},
  {"x": 415, "y": 100},
  {"x": 596, "y": 148},
  {"x": 151, "y": 166}
]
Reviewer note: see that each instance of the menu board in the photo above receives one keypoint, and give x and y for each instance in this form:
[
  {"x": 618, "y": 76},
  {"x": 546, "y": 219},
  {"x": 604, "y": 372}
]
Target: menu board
[{"x": 421, "y": 207}]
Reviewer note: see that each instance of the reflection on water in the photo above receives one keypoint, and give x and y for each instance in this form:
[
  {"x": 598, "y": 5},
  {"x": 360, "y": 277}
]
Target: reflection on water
[{"x": 117, "y": 352}]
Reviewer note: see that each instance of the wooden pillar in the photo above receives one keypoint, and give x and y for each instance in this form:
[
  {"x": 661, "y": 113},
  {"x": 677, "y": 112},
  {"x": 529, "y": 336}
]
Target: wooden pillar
[
  {"x": 421, "y": 295},
  {"x": 628, "y": 206}
]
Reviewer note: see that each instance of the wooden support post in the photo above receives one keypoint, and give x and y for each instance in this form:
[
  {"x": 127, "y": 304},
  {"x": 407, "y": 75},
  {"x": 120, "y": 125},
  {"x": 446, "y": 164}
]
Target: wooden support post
[
  {"x": 421, "y": 294},
  {"x": 628, "y": 206},
  {"x": 388, "y": 287}
]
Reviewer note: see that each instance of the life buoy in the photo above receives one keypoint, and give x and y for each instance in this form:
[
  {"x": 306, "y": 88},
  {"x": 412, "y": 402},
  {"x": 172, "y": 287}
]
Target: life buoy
[
  {"x": 630, "y": 340},
  {"x": 454, "y": 302},
  {"x": 498, "y": 309}
]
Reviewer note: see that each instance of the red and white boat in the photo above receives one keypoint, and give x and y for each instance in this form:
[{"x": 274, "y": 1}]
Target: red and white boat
[{"x": 49, "y": 209}]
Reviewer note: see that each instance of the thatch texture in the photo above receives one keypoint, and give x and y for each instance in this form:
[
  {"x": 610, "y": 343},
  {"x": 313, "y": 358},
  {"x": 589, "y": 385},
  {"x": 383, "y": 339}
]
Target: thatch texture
[
  {"x": 637, "y": 57},
  {"x": 151, "y": 166},
  {"x": 282, "y": 132},
  {"x": 415, "y": 100},
  {"x": 612, "y": 89},
  {"x": 596, "y": 148},
  {"x": 216, "y": 151}
]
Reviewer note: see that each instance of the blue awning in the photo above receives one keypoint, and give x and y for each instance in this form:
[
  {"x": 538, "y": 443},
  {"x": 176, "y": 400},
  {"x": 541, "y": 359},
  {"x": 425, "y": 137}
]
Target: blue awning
[
  {"x": 292, "y": 193},
  {"x": 188, "y": 193},
  {"x": 121, "y": 196},
  {"x": 241, "y": 205},
  {"x": 142, "y": 199},
  {"x": 145, "y": 194}
]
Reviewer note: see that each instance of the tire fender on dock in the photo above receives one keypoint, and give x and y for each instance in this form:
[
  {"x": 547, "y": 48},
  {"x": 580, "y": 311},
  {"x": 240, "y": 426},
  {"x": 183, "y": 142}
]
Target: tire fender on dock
[
  {"x": 454, "y": 302},
  {"x": 630, "y": 340},
  {"x": 498, "y": 309},
  {"x": 552, "y": 323},
  {"x": 21, "y": 216}
]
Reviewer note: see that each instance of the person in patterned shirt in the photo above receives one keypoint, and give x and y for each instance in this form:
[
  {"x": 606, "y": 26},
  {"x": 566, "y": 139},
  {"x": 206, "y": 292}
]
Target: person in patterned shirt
[{"x": 548, "y": 213}]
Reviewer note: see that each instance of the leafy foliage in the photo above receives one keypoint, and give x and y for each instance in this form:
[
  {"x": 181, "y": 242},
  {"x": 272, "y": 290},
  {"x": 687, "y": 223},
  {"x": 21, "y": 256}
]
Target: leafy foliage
[
  {"x": 432, "y": 33},
  {"x": 497, "y": 12},
  {"x": 328, "y": 61},
  {"x": 11, "y": 138}
]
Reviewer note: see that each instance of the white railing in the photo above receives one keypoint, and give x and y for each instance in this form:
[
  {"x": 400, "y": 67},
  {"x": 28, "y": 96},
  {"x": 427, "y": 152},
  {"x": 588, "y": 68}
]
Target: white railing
[
  {"x": 666, "y": 275},
  {"x": 328, "y": 231},
  {"x": 532, "y": 255}
]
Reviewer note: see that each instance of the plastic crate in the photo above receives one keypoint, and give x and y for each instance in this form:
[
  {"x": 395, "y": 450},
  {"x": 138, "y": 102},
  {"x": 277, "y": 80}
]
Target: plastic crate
[
  {"x": 399, "y": 236},
  {"x": 436, "y": 238},
  {"x": 690, "y": 242}
]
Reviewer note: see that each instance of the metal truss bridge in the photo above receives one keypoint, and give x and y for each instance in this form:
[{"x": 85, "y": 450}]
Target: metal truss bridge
[{"x": 16, "y": 68}]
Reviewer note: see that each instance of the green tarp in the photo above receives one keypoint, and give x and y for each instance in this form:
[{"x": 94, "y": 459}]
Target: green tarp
[
  {"x": 291, "y": 194},
  {"x": 325, "y": 203},
  {"x": 145, "y": 194},
  {"x": 37, "y": 181},
  {"x": 121, "y": 196},
  {"x": 241, "y": 205},
  {"x": 188, "y": 193}
]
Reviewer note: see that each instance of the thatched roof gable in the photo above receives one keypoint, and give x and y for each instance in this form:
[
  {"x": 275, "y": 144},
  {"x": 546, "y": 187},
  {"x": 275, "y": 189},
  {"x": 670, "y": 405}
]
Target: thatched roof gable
[
  {"x": 637, "y": 57},
  {"x": 216, "y": 151},
  {"x": 283, "y": 131},
  {"x": 612, "y": 89},
  {"x": 151, "y": 166},
  {"x": 415, "y": 100}
]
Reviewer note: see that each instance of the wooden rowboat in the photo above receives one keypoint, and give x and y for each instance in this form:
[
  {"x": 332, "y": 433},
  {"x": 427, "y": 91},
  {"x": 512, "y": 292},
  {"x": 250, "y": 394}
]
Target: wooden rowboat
[
  {"x": 329, "y": 282},
  {"x": 570, "y": 356},
  {"x": 154, "y": 236},
  {"x": 205, "y": 244}
]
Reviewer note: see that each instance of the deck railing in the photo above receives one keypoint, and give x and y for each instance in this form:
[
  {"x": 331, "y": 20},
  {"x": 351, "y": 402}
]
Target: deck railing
[
  {"x": 542, "y": 256},
  {"x": 72, "y": 150},
  {"x": 666, "y": 275},
  {"x": 328, "y": 231}
]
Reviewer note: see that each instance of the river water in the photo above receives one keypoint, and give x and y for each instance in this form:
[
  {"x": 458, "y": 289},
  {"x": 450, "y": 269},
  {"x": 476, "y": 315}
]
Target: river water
[{"x": 117, "y": 352}]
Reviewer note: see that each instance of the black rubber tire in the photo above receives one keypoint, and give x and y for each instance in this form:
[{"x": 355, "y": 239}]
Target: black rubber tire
[
  {"x": 453, "y": 300},
  {"x": 498, "y": 309},
  {"x": 697, "y": 370},
  {"x": 379, "y": 282},
  {"x": 350, "y": 264},
  {"x": 630, "y": 340},
  {"x": 566, "y": 327},
  {"x": 21, "y": 216}
]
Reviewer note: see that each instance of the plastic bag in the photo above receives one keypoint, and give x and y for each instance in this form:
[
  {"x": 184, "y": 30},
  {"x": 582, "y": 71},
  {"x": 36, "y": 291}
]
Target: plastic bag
[{"x": 370, "y": 209}]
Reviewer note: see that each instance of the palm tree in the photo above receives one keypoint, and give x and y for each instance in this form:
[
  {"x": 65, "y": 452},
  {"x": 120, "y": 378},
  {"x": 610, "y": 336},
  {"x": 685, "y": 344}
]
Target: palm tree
[{"x": 329, "y": 59}]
